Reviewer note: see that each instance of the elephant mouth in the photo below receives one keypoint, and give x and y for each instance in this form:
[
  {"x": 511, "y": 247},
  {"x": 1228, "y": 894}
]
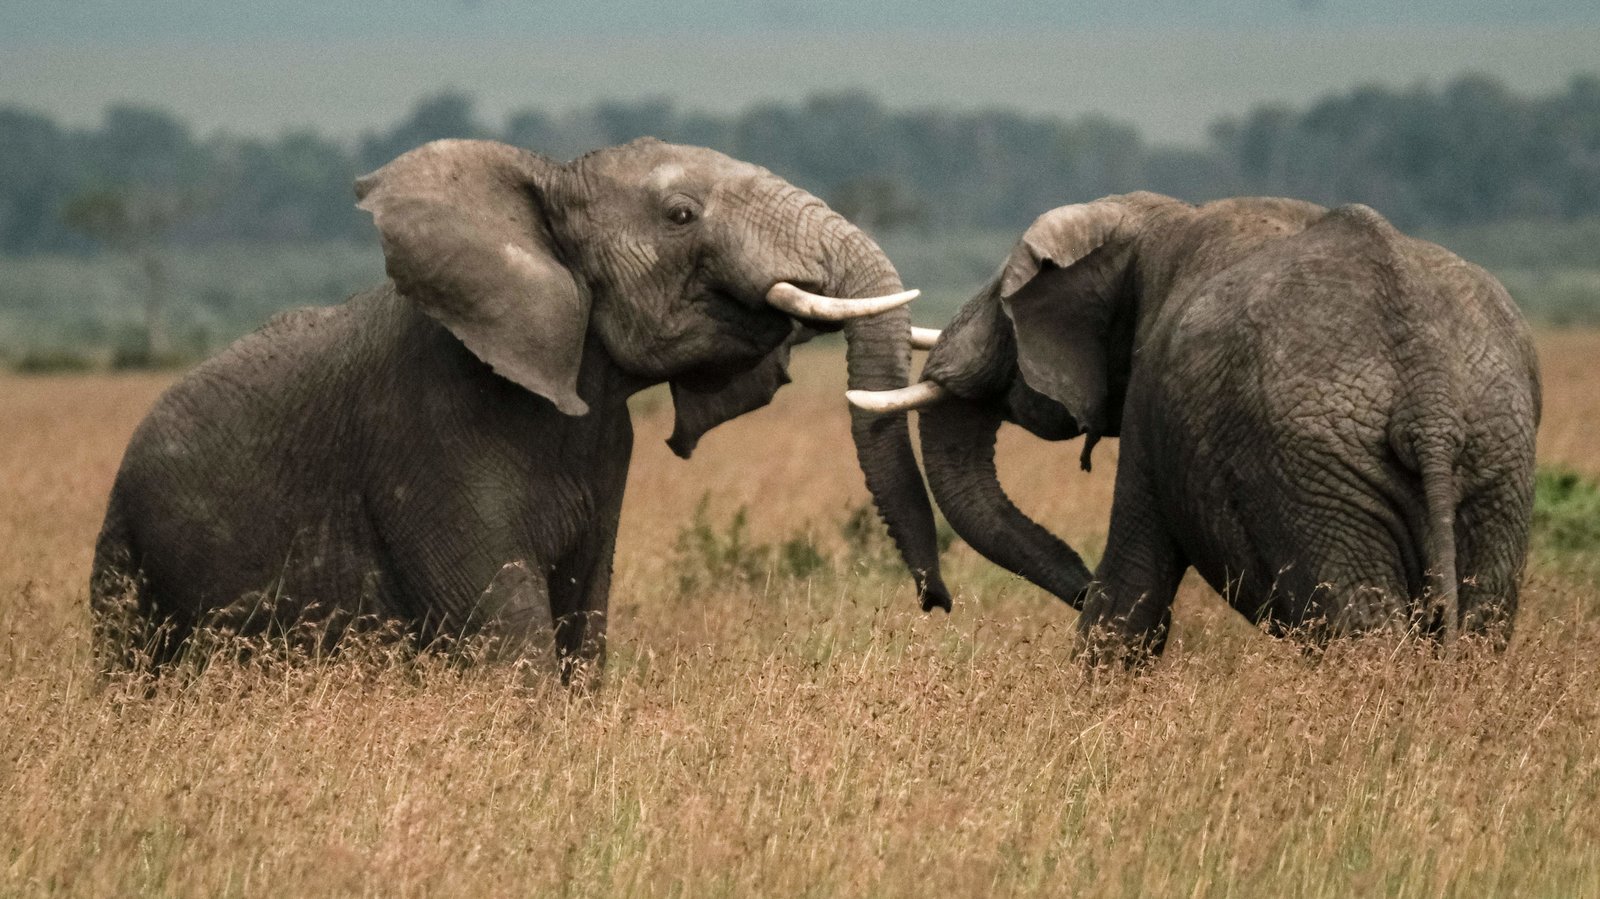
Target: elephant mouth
[
  {"x": 734, "y": 308},
  {"x": 746, "y": 333},
  {"x": 1039, "y": 415}
]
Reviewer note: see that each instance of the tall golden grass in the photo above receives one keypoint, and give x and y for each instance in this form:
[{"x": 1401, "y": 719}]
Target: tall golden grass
[{"x": 791, "y": 736}]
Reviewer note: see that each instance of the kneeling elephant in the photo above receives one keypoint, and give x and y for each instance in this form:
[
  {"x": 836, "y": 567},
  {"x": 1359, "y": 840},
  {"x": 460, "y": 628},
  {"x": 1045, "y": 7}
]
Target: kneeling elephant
[{"x": 450, "y": 449}]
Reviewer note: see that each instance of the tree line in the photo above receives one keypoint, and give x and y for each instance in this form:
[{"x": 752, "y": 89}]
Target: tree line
[{"x": 1467, "y": 152}]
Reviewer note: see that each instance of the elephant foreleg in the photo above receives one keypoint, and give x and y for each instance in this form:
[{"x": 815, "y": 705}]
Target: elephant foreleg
[
  {"x": 580, "y": 592},
  {"x": 1127, "y": 613},
  {"x": 516, "y": 619}
]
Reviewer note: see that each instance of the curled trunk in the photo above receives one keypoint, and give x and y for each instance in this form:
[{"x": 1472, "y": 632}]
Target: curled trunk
[
  {"x": 879, "y": 358},
  {"x": 958, "y": 438}
]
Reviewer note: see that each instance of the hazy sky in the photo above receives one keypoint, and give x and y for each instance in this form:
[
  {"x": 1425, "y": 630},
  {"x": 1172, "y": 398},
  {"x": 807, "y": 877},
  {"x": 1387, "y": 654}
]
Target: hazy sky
[
  {"x": 1169, "y": 66},
  {"x": 29, "y": 21}
]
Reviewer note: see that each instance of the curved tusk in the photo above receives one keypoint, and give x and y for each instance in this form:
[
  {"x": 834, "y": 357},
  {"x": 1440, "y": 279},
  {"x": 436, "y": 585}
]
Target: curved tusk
[
  {"x": 923, "y": 338},
  {"x": 801, "y": 304},
  {"x": 918, "y": 395}
]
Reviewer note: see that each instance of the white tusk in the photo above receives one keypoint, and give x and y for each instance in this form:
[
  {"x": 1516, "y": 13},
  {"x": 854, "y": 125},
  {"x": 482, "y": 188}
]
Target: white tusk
[
  {"x": 918, "y": 395},
  {"x": 801, "y": 304},
  {"x": 923, "y": 338}
]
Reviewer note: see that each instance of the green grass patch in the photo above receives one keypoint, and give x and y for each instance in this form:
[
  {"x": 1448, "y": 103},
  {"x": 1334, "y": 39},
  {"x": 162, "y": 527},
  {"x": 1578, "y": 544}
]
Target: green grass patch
[{"x": 1566, "y": 523}]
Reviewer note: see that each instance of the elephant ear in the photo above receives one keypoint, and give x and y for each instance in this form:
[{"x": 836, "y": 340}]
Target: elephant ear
[
  {"x": 1073, "y": 335},
  {"x": 700, "y": 405},
  {"x": 1061, "y": 237},
  {"x": 1065, "y": 288},
  {"x": 465, "y": 237}
]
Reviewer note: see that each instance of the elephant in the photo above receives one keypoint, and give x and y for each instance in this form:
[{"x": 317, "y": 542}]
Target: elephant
[
  {"x": 449, "y": 450},
  {"x": 1331, "y": 421}
]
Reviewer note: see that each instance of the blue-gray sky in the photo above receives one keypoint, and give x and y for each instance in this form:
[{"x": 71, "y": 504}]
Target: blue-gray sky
[
  {"x": 28, "y": 21},
  {"x": 1169, "y": 66}
]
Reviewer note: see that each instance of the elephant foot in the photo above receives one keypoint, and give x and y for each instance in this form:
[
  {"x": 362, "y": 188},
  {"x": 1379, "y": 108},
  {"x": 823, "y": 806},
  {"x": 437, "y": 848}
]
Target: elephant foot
[{"x": 1127, "y": 641}]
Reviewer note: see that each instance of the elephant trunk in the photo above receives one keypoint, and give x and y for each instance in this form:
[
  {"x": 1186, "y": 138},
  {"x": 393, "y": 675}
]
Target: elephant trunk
[
  {"x": 879, "y": 358},
  {"x": 958, "y": 438}
]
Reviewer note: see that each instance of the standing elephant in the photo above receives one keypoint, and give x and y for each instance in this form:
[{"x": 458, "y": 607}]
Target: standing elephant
[
  {"x": 450, "y": 449},
  {"x": 1331, "y": 421}
]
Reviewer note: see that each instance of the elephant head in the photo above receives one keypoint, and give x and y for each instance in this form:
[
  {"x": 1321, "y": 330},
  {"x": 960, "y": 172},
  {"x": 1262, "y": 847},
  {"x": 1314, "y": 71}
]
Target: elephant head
[
  {"x": 1049, "y": 344},
  {"x": 678, "y": 263}
]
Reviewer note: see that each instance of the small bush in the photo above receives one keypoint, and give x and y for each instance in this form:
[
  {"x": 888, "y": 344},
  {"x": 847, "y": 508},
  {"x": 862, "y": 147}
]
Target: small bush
[
  {"x": 706, "y": 556},
  {"x": 798, "y": 558}
]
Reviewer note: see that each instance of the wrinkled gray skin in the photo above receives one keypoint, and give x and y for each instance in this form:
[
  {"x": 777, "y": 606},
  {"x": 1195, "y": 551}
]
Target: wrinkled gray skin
[
  {"x": 450, "y": 449},
  {"x": 1331, "y": 421}
]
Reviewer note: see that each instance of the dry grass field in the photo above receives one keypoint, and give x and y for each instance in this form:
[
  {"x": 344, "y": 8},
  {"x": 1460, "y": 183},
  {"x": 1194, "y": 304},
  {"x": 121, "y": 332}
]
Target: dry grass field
[{"x": 778, "y": 718}]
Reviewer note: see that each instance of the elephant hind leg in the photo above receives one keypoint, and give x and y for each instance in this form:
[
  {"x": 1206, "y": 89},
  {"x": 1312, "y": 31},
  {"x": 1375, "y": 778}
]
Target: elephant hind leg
[
  {"x": 128, "y": 633},
  {"x": 118, "y": 623},
  {"x": 1492, "y": 547},
  {"x": 1346, "y": 589},
  {"x": 1333, "y": 569}
]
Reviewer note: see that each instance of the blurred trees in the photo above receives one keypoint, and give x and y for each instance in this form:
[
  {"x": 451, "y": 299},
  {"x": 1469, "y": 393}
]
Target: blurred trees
[
  {"x": 129, "y": 187},
  {"x": 1467, "y": 153},
  {"x": 135, "y": 220}
]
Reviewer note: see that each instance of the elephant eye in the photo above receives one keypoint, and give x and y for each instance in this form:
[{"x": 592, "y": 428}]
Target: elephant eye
[{"x": 682, "y": 214}]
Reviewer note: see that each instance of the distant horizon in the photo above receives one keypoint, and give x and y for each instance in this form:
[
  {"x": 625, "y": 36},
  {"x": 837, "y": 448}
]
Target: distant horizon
[{"x": 1171, "y": 84}]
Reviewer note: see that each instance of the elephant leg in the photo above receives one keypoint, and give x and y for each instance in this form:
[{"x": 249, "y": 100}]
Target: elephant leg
[
  {"x": 514, "y": 616},
  {"x": 127, "y": 634},
  {"x": 1128, "y": 611},
  {"x": 464, "y": 572},
  {"x": 580, "y": 592},
  {"x": 1343, "y": 576},
  {"x": 1491, "y": 550}
]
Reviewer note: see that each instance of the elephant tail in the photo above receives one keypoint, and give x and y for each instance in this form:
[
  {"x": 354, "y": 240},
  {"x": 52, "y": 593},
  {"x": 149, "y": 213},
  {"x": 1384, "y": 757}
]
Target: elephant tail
[
  {"x": 1439, "y": 534},
  {"x": 1430, "y": 446}
]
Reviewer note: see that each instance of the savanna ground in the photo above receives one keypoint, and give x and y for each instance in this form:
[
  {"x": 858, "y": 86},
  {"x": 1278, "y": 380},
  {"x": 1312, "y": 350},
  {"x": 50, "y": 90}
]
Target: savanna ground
[{"x": 779, "y": 719}]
